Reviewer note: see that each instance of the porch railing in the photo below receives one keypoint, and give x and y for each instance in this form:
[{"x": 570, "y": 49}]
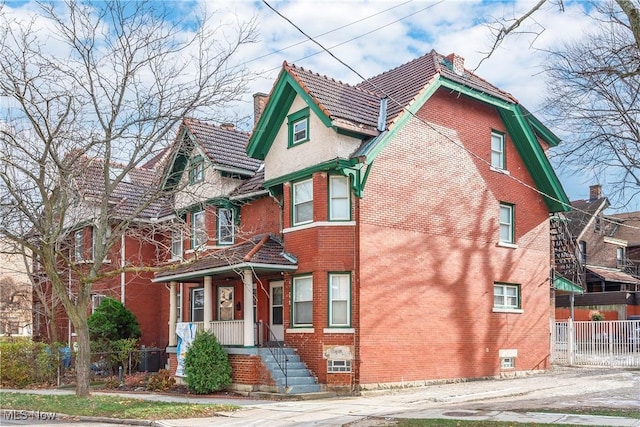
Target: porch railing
[{"x": 230, "y": 332}]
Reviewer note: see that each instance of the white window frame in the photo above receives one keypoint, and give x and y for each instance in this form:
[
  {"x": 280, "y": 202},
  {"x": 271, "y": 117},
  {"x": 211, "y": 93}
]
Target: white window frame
[
  {"x": 296, "y": 203},
  {"x": 299, "y": 297},
  {"x": 300, "y": 129},
  {"x": 96, "y": 300},
  {"x": 337, "y": 296},
  {"x": 193, "y": 306},
  {"x": 504, "y": 294},
  {"x": 226, "y": 229},
  {"x": 498, "y": 151},
  {"x": 78, "y": 245},
  {"x": 196, "y": 232},
  {"x": 179, "y": 303},
  {"x": 338, "y": 211},
  {"x": 335, "y": 366},
  {"x": 507, "y": 362},
  {"x": 507, "y": 222},
  {"x": 177, "y": 243},
  {"x": 196, "y": 170}
]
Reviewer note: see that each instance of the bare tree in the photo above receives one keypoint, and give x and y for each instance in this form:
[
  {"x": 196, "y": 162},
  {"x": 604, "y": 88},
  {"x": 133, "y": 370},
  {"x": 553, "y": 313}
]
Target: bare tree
[
  {"x": 99, "y": 80},
  {"x": 593, "y": 87}
]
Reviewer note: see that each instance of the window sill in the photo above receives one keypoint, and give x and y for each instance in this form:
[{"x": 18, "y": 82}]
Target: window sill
[
  {"x": 507, "y": 310},
  {"x": 307, "y": 225},
  {"x": 502, "y": 171},
  {"x": 507, "y": 245},
  {"x": 300, "y": 330},
  {"x": 339, "y": 330}
]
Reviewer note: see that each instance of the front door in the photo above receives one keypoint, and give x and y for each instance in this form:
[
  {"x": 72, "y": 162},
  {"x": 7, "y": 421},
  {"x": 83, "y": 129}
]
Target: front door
[{"x": 276, "y": 311}]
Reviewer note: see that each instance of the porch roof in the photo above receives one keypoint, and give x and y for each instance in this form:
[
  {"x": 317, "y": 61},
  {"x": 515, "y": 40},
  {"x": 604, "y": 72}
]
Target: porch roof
[
  {"x": 612, "y": 275},
  {"x": 562, "y": 284},
  {"x": 260, "y": 253}
]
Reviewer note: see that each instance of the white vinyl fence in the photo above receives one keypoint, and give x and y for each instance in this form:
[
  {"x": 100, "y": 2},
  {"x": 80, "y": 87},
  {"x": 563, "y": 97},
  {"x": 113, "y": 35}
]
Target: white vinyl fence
[{"x": 613, "y": 343}]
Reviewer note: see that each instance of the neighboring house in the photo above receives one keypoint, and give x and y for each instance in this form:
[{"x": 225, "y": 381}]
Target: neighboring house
[
  {"x": 400, "y": 233},
  {"x": 137, "y": 248},
  {"x": 608, "y": 249},
  {"x": 15, "y": 294}
]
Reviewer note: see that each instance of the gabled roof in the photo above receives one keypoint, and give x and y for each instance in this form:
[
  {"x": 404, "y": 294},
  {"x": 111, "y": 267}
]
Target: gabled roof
[
  {"x": 223, "y": 146},
  {"x": 355, "y": 110},
  {"x": 251, "y": 187},
  {"x": 582, "y": 214},
  {"x": 261, "y": 252},
  {"x": 629, "y": 228}
]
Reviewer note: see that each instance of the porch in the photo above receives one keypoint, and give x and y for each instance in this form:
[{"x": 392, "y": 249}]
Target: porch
[{"x": 229, "y": 333}]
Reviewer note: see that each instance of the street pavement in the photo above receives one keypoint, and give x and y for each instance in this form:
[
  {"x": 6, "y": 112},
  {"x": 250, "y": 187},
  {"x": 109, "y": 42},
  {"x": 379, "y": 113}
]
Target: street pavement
[{"x": 517, "y": 400}]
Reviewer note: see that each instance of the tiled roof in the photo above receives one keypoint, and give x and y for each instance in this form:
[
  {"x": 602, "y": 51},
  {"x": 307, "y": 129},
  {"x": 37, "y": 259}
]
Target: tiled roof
[
  {"x": 225, "y": 147},
  {"x": 360, "y": 104},
  {"x": 130, "y": 196},
  {"x": 582, "y": 212},
  {"x": 262, "y": 250},
  {"x": 250, "y": 186},
  {"x": 612, "y": 275}
]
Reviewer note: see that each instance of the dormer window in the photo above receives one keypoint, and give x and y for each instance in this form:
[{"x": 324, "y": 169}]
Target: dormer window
[
  {"x": 298, "y": 124},
  {"x": 196, "y": 171}
]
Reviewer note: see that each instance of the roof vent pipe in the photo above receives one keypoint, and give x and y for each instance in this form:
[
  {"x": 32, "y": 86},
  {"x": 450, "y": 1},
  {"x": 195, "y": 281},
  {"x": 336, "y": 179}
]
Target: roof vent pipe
[{"x": 382, "y": 116}]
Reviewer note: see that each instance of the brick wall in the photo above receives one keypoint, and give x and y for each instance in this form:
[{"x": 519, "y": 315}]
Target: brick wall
[{"x": 429, "y": 253}]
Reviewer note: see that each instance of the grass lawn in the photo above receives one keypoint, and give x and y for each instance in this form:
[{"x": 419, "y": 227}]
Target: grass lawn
[{"x": 109, "y": 406}]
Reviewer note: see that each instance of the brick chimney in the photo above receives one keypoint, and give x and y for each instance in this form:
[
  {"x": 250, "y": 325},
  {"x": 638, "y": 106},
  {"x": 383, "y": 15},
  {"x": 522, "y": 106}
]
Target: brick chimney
[
  {"x": 457, "y": 62},
  {"x": 259, "y": 102},
  {"x": 595, "y": 192}
]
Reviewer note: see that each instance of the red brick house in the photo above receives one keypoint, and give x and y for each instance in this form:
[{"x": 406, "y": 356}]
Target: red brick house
[{"x": 400, "y": 220}]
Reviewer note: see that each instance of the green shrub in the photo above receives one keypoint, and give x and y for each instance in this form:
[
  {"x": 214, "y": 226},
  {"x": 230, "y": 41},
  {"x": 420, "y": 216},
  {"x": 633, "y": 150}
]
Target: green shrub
[
  {"x": 162, "y": 381},
  {"x": 27, "y": 363},
  {"x": 206, "y": 365},
  {"x": 113, "y": 321}
]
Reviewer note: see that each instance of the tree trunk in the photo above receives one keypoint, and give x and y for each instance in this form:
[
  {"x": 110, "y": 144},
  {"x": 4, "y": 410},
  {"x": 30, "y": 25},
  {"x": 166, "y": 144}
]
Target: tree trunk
[{"x": 83, "y": 359}]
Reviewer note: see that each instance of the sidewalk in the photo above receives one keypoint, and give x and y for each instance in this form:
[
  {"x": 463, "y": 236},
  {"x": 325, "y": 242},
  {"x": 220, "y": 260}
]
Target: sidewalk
[{"x": 363, "y": 411}]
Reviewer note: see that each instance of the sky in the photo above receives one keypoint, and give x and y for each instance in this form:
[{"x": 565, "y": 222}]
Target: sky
[{"x": 373, "y": 36}]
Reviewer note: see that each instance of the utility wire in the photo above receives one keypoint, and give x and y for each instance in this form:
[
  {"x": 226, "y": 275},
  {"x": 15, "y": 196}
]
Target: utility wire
[{"x": 446, "y": 137}]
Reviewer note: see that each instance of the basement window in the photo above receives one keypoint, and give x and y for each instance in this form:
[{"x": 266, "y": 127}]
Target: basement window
[
  {"x": 338, "y": 366},
  {"x": 508, "y": 362}
]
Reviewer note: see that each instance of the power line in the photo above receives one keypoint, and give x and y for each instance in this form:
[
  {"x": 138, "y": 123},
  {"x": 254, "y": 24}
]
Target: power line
[{"x": 446, "y": 137}]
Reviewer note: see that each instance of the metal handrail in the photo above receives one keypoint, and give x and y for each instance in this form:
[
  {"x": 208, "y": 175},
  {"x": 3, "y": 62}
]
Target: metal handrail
[{"x": 278, "y": 353}]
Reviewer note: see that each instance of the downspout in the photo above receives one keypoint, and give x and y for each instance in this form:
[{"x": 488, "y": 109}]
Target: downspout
[{"x": 122, "y": 273}]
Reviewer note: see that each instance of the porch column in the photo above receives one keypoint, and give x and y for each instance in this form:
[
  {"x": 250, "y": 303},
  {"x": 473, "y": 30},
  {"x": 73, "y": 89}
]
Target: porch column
[
  {"x": 173, "y": 313},
  {"x": 208, "y": 303},
  {"x": 247, "y": 281}
]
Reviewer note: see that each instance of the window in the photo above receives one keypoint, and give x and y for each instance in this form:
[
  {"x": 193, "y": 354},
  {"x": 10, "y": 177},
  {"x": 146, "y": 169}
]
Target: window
[
  {"x": 619, "y": 254},
  {"x": 176, "y": 243},
  {"x": 225, "y": 303},
  {"x": 225, "y": 226},
  {"x": 298, "y": 124},
  {"x": 583, "y": 251},
  {"x": 179, "y": 304},
  {"x": 506, "y": 296},
  {"x": 196, "y": 170},
  {"x": 96, "y": 300},
  {"x": 339, "y": 299},
  {"x": 198, "y": 230},
  {"x": 302, "y": 202},
  {"x": 497, "y": 150},
  {"x": 507, "y": 362},
  {"x": 335, "y": 366},
  {"x": 506, "y": 223},
  {"x": 302, "y": 301},
  {"x": 93, "y": 242},
  {"x": 78, "y": 245},
  {"x": 339, "y": 203},
  {"x": 197, "y": 305}
]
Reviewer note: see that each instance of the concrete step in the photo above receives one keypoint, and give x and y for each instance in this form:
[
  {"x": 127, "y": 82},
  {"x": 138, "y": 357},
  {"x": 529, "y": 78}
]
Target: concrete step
[
  {"x": 301, "y": 389},
  {"x": 295, "y": 381}
]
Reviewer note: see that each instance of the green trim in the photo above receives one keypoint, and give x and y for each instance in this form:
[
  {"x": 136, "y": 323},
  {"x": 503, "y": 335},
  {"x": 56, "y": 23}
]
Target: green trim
[
  {"x": 331, "y": 165},
  {"x": 193, "y": 163},
  {"x": 562, "y": 284},
  {"x": 293, "y": 201},
  {"x": 282, "y": 96},
  {"x": 534, "y": 158},
  {"x": 329, "y": 198},
  {"x": 292, "y": 120},
  {"x": 338, "y": 273},
  {"x": 234, "y": 222},
  {"x": 180, "y": 159},
  {"x": 293, "y": 290}
]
